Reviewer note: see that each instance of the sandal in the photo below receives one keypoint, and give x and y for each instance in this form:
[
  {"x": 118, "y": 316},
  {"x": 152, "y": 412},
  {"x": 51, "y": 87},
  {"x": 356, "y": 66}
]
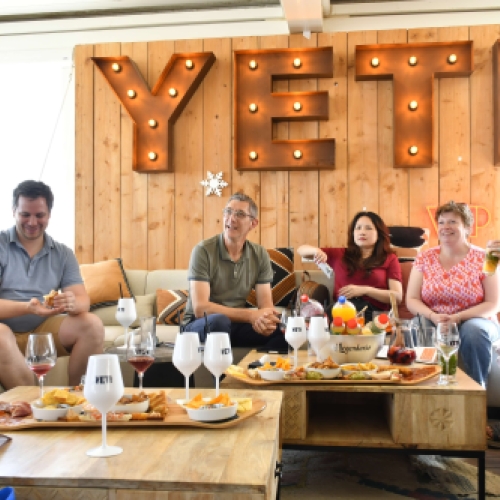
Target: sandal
[{"x": 493, "y": 433}]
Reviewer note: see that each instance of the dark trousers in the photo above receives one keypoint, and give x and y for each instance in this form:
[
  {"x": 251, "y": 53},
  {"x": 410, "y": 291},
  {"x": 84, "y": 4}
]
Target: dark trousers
[{"x": 240, "y": 334}]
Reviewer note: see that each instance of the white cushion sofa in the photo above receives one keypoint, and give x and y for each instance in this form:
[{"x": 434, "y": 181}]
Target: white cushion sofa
[{"x": 144, "y": 284}]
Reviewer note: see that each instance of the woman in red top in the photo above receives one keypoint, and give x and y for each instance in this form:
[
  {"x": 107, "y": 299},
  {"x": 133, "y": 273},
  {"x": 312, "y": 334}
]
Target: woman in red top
[{"x": 367, "y": 271}]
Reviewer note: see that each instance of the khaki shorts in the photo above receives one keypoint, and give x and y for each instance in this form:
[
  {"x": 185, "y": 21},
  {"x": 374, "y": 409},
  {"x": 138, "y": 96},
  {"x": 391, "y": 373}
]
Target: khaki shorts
[{"x": 50, "y": 325}]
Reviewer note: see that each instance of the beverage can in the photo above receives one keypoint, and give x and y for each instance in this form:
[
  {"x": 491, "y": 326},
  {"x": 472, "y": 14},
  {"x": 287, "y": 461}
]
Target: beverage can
[{"x": 490, "y": 263}]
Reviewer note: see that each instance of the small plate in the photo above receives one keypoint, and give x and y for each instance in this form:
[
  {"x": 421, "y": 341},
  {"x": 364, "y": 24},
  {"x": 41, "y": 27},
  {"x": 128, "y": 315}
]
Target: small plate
[
  {"x": 328, "y": 373},
  {"x": 51, "y": 414},
  {"x": 272, "y": 374},
  {"x": 141, "y": 407},
  {"x": 347, "y": 371},
  {"x": 211, "y": 414}
]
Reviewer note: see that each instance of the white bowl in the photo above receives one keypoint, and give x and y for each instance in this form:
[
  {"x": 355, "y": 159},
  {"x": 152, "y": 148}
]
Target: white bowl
[
  {"x": 354, "y": 348},
  {"x": 350, "y": 368},
  {"x": 141, "y": 407},
  {"x": 212, "y": 414},
  {"x": 328, "y": 373},
  {"x": 51, "y": 414},
  {"x": 272, "y": 375}
]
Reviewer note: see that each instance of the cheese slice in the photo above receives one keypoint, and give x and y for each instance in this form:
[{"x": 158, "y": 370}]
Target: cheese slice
[{"x": 244, "y": 404}]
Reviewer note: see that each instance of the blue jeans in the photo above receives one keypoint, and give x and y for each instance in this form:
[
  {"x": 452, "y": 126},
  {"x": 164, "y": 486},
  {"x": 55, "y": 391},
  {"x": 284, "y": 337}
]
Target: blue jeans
[
  {"x": 240, "y": 334},
  {"x": 476, "y": 338}
]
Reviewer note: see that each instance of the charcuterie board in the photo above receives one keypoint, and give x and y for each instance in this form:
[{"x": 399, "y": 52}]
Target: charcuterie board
[
  {"x": 419, "y": 375},
  {"x": 176, "y": 416}
]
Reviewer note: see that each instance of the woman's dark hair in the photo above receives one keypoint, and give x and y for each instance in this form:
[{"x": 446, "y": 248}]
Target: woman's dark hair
[
  {"x": 33, "y": 190},
  {"x": 352, "y": 257}
]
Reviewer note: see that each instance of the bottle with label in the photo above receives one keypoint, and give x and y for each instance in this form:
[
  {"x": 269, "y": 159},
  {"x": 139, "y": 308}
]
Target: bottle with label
[{"x": 344, "y": 309}]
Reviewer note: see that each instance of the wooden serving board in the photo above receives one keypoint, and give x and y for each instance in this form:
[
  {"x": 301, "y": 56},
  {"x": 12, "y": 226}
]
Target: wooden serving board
[
  {"x": 430, "y": 371},
  {"x": 176, "y": 416}
]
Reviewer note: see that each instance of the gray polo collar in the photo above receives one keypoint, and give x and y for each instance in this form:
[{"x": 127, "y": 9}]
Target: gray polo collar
[
  {"x": 224, "y": 254},
  {"x": 48, "y": 242}
]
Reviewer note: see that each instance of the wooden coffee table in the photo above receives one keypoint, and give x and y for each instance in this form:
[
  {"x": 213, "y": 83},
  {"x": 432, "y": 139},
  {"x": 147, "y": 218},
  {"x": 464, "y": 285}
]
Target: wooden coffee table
[
  {"x": 421, "y": 418},
  {"x": 156, "y": 461}
]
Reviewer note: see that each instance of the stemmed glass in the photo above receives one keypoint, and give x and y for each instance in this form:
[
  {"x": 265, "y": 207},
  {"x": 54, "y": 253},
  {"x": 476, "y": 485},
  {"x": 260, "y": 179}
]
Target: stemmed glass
[
  {"x": 295, "y": 335},
  {"x": 103, "y": 388},
  {"x": 41, "y": 355},
  {"x": 187, "y": 355},
  {"x": 283, "y": 322},
  {"x": 126, "y": 314},
  {"x": 141, "y": 351},
  {"x": 317, "y": 334},
  {"x": 217, "y": 355},
  {"x": 447, "y": 341}
]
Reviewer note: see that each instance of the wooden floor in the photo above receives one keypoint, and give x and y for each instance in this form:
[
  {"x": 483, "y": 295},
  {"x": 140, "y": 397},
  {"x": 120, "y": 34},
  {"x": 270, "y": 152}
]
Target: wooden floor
[{"x": 492, "y": 461}]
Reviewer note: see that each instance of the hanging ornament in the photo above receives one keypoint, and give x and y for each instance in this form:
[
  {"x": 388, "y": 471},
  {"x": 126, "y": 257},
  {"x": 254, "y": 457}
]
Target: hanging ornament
[{"x": 214, "y": 184}]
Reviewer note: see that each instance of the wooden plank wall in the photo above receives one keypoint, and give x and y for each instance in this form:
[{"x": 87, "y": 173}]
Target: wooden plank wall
[{"x": 152, "y": 221}]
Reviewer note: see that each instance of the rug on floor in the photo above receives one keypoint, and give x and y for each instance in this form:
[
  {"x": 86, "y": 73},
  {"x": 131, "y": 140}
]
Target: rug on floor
[{"x": 318, "y": 474}]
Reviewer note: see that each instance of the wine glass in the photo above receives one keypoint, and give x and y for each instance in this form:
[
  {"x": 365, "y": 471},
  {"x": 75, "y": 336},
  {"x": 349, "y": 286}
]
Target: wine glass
[
  {"x": 283, "y": 322},
  {"x": 126, "y": 314},
  {"x": 317, "y": 334},
  {"x": 41, "y": 355},
  {"x": 447, "y": 342},
  {"x": 295, "y": 335},
  {"x": 217, "y": 356},
  {"x": 187, "y": 355},
  {"x": 103, "y": 388},
  {"x": 141, "y": 351}
]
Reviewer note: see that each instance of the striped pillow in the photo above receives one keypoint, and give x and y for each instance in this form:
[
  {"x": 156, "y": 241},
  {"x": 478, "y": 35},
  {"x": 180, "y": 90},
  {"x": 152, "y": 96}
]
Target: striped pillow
[
  {"x": 283, "y": 284},
  {"x": 168, "y": 304}
]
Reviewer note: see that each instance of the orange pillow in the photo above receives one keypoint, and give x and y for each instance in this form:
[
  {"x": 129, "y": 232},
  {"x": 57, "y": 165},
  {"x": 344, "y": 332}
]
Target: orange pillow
[{"x": 102, "y": 281}]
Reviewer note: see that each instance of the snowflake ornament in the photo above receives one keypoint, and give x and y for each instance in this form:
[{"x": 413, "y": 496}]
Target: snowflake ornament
[{"x": 214, "y": 184}]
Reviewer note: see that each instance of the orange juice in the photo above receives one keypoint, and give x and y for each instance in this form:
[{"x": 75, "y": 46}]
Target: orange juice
[{"x": 343, "y": 309}]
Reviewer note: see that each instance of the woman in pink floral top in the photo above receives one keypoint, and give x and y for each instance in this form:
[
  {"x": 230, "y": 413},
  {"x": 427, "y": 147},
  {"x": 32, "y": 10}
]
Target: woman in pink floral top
[{"x": 447, "y": 285}]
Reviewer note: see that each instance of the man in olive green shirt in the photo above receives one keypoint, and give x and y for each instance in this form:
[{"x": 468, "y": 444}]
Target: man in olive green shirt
[{"x": 222, "y": 272}]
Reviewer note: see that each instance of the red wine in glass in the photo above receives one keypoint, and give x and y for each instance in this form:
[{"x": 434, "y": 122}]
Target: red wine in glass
[
  {"x": 141, "y": 363},
  {"x": 40, "y": 355},
  {"x": 41, "y": 369},
  {"x": 141, "y": 352}
]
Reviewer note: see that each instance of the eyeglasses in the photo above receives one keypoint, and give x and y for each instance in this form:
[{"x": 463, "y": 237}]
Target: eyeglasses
[{"x": 239, "y": 214}]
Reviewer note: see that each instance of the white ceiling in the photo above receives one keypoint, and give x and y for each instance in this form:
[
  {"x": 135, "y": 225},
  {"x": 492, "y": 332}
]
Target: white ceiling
[
  {"x": 29, "y": 28},
  {"x": 43, "y": 9}
]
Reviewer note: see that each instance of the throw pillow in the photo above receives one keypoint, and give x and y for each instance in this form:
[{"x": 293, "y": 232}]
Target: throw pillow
[
  {"x": 283, "y": 284},
  {"x": 103, "y": 281},
  {"x": 169, "y": 303}
]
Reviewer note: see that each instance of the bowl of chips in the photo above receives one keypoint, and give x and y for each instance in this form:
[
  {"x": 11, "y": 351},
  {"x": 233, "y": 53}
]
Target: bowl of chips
[
  {"x": 364, "y": 368},
  {"x": 210, "y": 409},
  {"x": 272, "y": 375},
  {"x": 328, "y": 369},
  {"x": 131, "y": 403},
  {"x": 56, "y": 403},
  {"x": 51, "y": 413}
]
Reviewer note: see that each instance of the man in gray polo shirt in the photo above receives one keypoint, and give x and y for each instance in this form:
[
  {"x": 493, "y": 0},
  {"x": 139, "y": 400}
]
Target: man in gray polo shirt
[
  {"x": 31, "y": 265},
  {"x": 222, "y": 272}
]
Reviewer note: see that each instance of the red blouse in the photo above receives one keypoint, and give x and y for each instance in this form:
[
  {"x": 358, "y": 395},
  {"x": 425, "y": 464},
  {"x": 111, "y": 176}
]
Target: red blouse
[{"x": 378, "y": 277}]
